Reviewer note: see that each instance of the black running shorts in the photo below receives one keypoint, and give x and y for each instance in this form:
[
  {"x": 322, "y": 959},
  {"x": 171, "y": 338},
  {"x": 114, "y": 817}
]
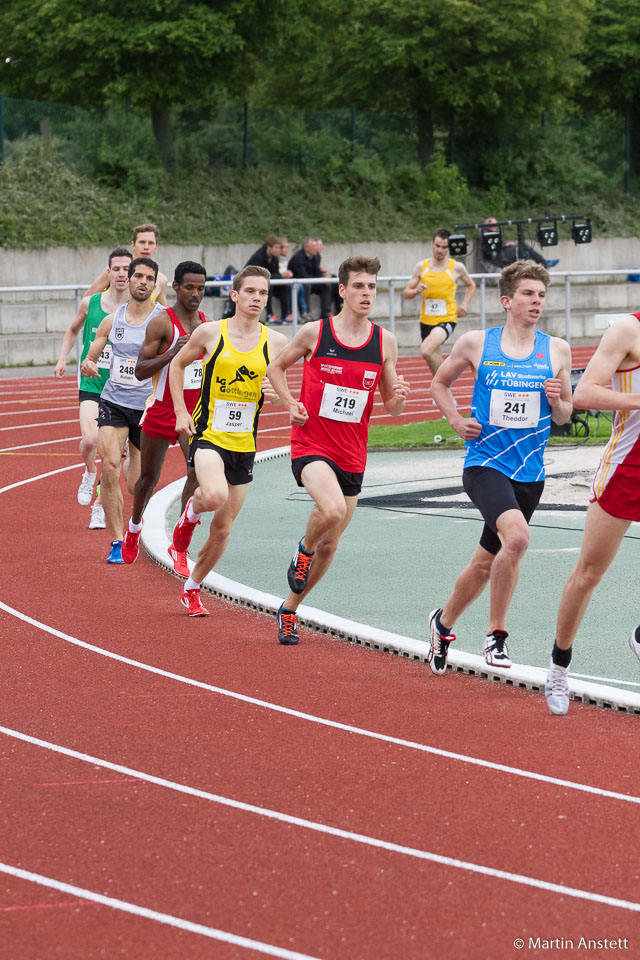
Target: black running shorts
[
  {"x": 427, "y": 328},
  {"x": 350, "y": 483},
  {"x": 238, "y": 466},
  {"x": 113, "y": 415},
  {"x": 493, "y": 493}
]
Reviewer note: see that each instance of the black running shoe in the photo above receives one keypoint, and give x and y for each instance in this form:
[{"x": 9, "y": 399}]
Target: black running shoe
[
  {"x": 298, "y": 572},
  {"x": 495, "y": 649},
  {"x": 287, "y": 627},
  {"x": 437, "y": 656}
]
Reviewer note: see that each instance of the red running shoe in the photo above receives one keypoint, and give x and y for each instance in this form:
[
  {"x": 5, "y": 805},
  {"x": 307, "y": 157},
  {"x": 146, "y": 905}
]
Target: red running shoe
[
  {"x": 180, "y": 565},
  {"x": 191, "y": 600},
  {"x": 130, "y": 546},
  {"x": 183, "y": 531}
]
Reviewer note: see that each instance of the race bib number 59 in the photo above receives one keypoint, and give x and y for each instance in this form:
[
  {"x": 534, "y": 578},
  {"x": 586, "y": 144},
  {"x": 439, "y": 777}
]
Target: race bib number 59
[
  {"x": 343, "y": 403},
  {"x": 514, "y": 409},
  {"x": 233, "y": 416}
]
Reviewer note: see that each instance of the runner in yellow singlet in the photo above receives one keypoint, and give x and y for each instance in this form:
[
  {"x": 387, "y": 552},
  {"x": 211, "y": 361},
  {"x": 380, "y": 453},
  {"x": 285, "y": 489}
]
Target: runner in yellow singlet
[
  {"x": 436, "y": 279},
  {"x": 235, "y": 354}
]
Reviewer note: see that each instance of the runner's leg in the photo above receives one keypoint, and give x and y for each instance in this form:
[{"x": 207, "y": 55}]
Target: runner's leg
[{"x": 110, "y": 446}]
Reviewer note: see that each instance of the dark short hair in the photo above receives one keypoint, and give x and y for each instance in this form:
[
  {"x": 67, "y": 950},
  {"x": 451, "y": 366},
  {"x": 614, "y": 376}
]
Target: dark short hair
[
  {"x": 120, "y": 252},
  {"x": 358, "y": 265},
  {"x": 442, "y": 233},
  {"x": 147, "y": 261},
  {"x": 521, "y": 270},
  {"x": 271, "y": 240},
  {"x": 187, "y": 266},
  {"x": 145, "y": 228},
  {"x": 250, "y": 271}
]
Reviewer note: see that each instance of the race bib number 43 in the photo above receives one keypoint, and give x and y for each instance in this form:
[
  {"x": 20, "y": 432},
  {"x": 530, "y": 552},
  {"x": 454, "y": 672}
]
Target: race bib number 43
[
  {"x": 104, "y": 360},
  {"x": 514, "y": 409},
  {"x": 343, "y": 403},
  {"x": 233, "y": 416}
]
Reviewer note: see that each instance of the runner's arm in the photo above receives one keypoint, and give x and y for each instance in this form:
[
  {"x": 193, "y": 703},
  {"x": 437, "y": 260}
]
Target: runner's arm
[
  {"x": 558, "y": 388},
  {"x": 464, "y": 354},
  {"x": 414, "y": 287},
  {"x": 594, "y": 390},
  {"x": 70, "y": 336},
  {"x": 196, "y": 346},
  {"x": 394, "y": 389},
  {"x": 277, "y": 342},
  {"x": 302, "y": 345},
  {"x": 154, "y": 353},
  {"x": 469, "y": 284},
  {"x": 89, "y": 367},
  {"x": 161, "y": 290},
  {"x": 99, "y": 284}
]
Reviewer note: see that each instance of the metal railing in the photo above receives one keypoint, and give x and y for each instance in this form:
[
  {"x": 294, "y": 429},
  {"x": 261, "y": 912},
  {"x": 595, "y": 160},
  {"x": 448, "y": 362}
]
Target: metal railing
[{"x": 391, "y": 283}]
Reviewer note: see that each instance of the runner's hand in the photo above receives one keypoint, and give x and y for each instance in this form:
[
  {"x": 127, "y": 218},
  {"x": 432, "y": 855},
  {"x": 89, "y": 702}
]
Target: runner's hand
[
  {"x": 185, "y": 424},
  {"x": 466, "y": 427},
  {"x": 401, "y": 389},
  {"x": 269, "y": 392},
  {"x": 297, "y": 414},
  {"x": 89, "y": 369},
  {"x": 179, "y": 344},
  {"x": 59, "y": 369},
  {"x": 553, "y": 389}
]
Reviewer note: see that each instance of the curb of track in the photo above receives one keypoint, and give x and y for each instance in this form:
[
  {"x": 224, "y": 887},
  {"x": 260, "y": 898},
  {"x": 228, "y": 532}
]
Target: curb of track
[{"x": 156, "y": 542}]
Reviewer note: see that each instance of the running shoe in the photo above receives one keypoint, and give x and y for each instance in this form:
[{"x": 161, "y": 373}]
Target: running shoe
[
  {"x": 115, "y": 554},
  {"x": 287, "y": 627},
  {"x": 556, "y": 688},
  {"x": 183, "y": 531},
  {"x": 191, "y": 600},
  {"x": 97, "y": 521},
  {"x": 298, "y": 572},
  {"x": 85, "y": 490},
  {"x": 634, "y": 642},
  {"x": 495, "y": 649},
  {"x": 130, "y": 546},
  {"x": 439, "y": 649},
  {"x": 180, "y": 565}
]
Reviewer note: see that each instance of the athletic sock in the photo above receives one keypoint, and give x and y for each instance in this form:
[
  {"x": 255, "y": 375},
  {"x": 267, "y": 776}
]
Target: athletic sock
[
  {"x": 135, "y": 527},
  {"x": 440, "y": 627},
  {"x": 191, "y": 584},
  {"x": 93, "y": 475},
  {"x": 636, "y": 635},
  {"x": 192, "y": 516},
  {"x": 561, "y": 658}
]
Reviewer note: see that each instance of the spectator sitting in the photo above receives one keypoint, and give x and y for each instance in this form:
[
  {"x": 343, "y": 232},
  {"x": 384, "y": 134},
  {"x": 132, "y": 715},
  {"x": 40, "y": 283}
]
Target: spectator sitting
[
  {"x": 494, "y": 262},
  {"x": 306, "y": 264},
  {"x": 267, "y": 256}
]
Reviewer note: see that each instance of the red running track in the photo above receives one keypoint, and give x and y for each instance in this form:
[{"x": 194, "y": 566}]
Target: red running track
[{"x": 224, "y": 792}]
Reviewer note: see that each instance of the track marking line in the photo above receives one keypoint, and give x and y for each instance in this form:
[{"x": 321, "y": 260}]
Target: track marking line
[
  {"x": 323, "y": 828},
  {"x": 47, "y": 906},
  {"x": 322, "y": 721},
  {"x": 40, "y": 443},
  {"x": 33, "y": 426},
  {"x": 211, "y": 932},
  {"x": 41, "y": 476},
  {"x": 18, "y": 413}
]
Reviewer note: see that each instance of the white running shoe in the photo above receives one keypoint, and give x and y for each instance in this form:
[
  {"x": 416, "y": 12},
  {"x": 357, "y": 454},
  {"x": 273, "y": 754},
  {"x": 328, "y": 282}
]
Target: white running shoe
[
  {"x": 556, "y": 688},
  {"x": 97, "y": 521},
  {"x": 85, "y": 490},
  {"x": 495, "y": 649},
  {"x": 634, "y": 644}
]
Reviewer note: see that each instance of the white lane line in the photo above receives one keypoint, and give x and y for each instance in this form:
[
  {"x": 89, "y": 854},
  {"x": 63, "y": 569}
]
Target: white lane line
[
  {"x": 588, "y": 676},
  {"x": 30, "y": 411},
  {"x": 42, "y": 476},
  {"x": 322, "y": 721},
  {"x": 328, "y": 830},
  {"x": 211, "y": 932},
  {"x": 32, "y": 426},
  {"x": 41, "y": 443}
]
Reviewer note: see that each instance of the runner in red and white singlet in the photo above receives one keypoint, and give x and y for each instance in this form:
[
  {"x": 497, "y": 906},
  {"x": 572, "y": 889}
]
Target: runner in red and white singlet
[
  {"x": 610, "y": 382},
  {"x": 346, "y": 358},
  {"x": 166, "y": 335}
]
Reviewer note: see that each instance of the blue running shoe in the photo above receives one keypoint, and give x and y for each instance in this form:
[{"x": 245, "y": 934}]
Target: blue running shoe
[
  {"x": 287, "y": 627},
  {"x": 115, "y": 554}
]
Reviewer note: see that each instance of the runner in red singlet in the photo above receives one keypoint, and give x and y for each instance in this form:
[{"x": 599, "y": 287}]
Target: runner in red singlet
[
  {"x": 346, "y": 358},
  {"x": 610, "y": 382},
  {"x": 166, "y": 335}
]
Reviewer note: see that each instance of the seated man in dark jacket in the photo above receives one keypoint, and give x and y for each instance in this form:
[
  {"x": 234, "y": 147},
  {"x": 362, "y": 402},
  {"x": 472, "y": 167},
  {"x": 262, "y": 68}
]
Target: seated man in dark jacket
[
  {"x": 267, "y": 256},
  {"x": 306, "y": 263}
]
